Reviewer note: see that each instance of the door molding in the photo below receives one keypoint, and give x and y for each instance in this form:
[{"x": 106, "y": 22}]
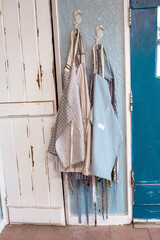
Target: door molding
[
  {"x": 5, "y": 219},
  {"x": 57, "y": 52},
  {"x": 112, "y": 219},
  {"x": 127, "y": 72}
]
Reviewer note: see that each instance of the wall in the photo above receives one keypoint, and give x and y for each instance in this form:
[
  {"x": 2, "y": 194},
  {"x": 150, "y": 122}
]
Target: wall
[
  {"x": 109, "y": 13},
  {"x": 0, "y": 210}
]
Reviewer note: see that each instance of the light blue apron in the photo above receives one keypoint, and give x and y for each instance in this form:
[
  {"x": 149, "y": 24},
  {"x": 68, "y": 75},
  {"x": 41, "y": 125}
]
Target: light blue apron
[{"x": 107, "y": 136}]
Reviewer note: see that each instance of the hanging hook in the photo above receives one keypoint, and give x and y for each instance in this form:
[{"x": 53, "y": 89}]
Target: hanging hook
[
  {"x": 98, "y": 32},
  {"x": 77, "y": 18}
]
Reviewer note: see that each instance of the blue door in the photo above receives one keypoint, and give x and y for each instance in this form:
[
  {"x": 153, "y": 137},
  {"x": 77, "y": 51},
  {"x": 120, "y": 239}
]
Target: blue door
[{"x": 145, "y": 83}]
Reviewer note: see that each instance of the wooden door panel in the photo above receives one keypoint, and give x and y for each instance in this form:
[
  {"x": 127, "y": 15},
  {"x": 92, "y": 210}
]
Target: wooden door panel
[
  {"x": 29, "y": 169},
  {"x": 15, "y": 78},
  {"x": 27, "y": 111},
  {"x": 28, "y": 52}
]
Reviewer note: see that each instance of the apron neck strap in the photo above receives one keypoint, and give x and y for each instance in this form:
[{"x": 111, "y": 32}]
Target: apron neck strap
[
  {"x": 73, "y": 47},
  {"x": 98, "y": 59},
  {"x": 76, "y": 45}
]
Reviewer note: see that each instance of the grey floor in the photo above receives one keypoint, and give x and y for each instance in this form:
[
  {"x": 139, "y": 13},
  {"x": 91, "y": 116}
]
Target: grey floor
[{"x": 30, "y": 232}]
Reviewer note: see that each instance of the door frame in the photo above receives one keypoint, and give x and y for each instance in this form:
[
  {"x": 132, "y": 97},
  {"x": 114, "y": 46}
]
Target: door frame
[
  {"x": 5, "y": 218},
  {"x": 112, "y": 219}
]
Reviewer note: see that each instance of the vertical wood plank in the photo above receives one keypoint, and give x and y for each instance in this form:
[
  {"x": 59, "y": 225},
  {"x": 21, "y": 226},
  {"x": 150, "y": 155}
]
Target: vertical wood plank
[
  {"x": 9, "y": 161},
  {"x": 41, "y": 186},
  {"x": 56, "y": 194},
  {"x": 26, "y": 68},
  {"x": 45, "y": 48},
  {"x": 3, "y": 62},
  {"x": 23, "y": 153},
  {"x": 16, "y": 81},
  {"x": 28, "y": 37}
]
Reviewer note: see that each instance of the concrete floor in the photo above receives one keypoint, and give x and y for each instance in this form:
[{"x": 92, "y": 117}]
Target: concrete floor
[{"x": 30, "y": 232}]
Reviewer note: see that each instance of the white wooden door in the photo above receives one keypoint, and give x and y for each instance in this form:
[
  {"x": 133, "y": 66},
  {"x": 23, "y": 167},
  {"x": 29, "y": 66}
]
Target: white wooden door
[{"x": 27, "y": 110}]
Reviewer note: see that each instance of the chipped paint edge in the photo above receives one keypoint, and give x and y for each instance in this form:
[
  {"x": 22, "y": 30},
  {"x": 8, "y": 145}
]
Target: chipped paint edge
[{"x": 5, "y": 217}]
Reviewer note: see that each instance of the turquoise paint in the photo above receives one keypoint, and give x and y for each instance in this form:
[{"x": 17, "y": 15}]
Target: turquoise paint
[
  {"x": 109, "y": 13},
  {"x": 146, "y": 212},
  {"x": 145, "y": 116},
  {"x": 144, "y": 4},
  {"x": 146, "y": 194}
]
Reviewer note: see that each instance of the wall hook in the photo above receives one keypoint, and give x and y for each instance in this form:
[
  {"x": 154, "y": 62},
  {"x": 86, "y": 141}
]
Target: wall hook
[
  {"x": 98, "y": 32},
  {"x": 77, "y": 18}
]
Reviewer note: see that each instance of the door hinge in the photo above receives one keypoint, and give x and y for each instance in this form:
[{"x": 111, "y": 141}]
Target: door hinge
[
  {"x": 132, "y": 178},
  {"x": 131, "y": 101},
  {"x": 129, "y": 17},
  {"x": 6, "y": 200}
]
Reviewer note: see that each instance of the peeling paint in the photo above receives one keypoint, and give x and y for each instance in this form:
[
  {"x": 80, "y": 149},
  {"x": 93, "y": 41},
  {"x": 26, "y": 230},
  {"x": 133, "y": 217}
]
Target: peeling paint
[
  {"x": 47, "y": 171},
  {"x": 5, "y": 49},
  {"x": 32, "y": 182},
  {"x": 41, "y": 72},
  {"x": 19, "y": 184},
  {"x": 6, "y": 65},
  {"x": 32, "y": 156},
  {"x": 21, "y": 48},
  {"x": 27, "y": 128},
  {"x": 43, "y": 134},
  {"x": 24, "y": 66},
  {"x": 37, "y": 32},
  {"x": 38, "y": 80}
]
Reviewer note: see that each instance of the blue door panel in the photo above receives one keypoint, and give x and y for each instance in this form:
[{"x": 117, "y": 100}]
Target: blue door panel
[
  {"x": 146, "y": 97},
  {"x": 146, "y": 212},
  {"x": 146, "y": 194},
  {"x": 144, "y": 3},
  {"x": 146, "y": 111}
]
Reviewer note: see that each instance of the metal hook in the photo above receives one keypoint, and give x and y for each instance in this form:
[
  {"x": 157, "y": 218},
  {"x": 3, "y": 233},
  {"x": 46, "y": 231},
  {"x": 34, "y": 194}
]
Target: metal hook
[
  {"x": 98, "y": 32},
  {"x": 77, "y": 18}
]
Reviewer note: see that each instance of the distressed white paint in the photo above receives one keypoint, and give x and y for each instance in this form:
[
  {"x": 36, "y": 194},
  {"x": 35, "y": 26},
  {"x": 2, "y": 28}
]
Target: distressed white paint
[
  {"x": 34, "y": 216},
  {"x": 27, "y": 109},
  {"x": 57, "y": 48},
  {"x": 4, "y": 221}
]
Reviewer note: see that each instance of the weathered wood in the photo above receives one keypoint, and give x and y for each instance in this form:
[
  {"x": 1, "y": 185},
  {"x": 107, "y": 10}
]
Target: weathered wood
[
  {"x": 54, "y": 176},
  {"x": 9, "y": 161},
  {"x": 34, "y": 215},
  {"x": 146, "y": 194},
  {"x": 26, "y": 109},
  {"x": 4, "y": 85},
  {"x": 13, "y": 51}
]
